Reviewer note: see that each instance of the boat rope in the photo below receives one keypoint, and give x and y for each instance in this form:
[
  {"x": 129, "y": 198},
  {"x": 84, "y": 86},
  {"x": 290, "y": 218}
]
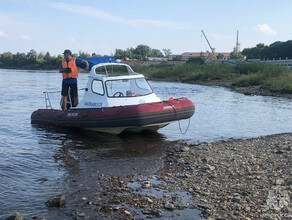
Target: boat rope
[
  {"x": 180, "y": 120},
  {"x": 186, "y": 128}
]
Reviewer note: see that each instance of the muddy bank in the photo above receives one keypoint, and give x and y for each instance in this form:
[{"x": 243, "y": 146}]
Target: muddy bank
[{"x": 234, "y": 179}]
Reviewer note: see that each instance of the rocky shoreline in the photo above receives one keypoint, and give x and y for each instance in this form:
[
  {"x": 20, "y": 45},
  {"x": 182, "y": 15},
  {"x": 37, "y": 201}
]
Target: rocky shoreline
[{"x": 233, "y": 179}]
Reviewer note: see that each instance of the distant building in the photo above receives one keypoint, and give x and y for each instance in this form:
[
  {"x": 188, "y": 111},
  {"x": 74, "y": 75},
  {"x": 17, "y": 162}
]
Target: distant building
[
  {"x": 157, "y": 58},
  {"x": 187, "y": 55},
  {"x": 176, "y": 57}
]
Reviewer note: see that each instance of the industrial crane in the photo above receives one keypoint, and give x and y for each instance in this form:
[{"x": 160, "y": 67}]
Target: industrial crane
[{"x": 212, "y": 49}]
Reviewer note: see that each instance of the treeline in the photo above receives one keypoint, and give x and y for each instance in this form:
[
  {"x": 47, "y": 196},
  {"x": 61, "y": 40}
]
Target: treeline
[
  {"x": 141, "y": 52},
  {"x": 276, "y": 50},
  {"x": 34, "y": 60},
  {"x": 30, "y": 60}
]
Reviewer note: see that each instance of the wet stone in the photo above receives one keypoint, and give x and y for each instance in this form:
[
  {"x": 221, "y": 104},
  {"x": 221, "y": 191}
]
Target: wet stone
[
  {"x": 206, "y": 206},
  {"x": 16, "y": 216},
  {"x": 180, "y": 205},
  {"x": 59, "y": 202},
  {"x": 205, "y": 213},
  {"x": 37, "y": 218},
  {"x": 169, "y": 206}
]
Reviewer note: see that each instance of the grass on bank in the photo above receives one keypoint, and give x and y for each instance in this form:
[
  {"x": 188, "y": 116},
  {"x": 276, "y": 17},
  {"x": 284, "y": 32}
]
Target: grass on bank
[
  {"x": 272, "y": 77},
  {"x": 190, "y": 73}
]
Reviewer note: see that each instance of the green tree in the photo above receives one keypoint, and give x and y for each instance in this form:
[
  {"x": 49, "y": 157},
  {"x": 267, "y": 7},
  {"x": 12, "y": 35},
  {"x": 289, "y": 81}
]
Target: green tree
[
  {"x": 7, "y": 59},
  {"x": 120, "y": 54},
  {"x": 236, "y": 55},
  {"x": 19, "y": 59},
  {"x": 47, "y": 56},
  {"x": 167, "y": 53},
  {"x": 155, "y": 53},
  {"x": 95, "y": 55},
  {"x": 83, "y": 54},
  {"x": 254, "y": 52},
  {"x": 41, "y": 55},
  {"x": 130, "y": 53},
  {"x": 142, "y": 51},
  {"x": 31, "y": 56},
  {"x": 278, "y": 50}
]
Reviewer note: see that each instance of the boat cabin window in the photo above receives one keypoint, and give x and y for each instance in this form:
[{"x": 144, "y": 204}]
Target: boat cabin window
[
  {"x": 97, "y": 87},
  {"x": 112, "y": 70},
  {"x": 128, "y": 87}
]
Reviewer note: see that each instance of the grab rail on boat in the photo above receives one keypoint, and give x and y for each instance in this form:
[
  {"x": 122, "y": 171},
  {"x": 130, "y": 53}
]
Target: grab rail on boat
[{"x": 48, "y": 101}]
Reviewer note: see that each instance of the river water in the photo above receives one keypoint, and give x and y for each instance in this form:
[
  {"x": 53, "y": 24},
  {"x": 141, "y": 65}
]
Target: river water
[{"x": 32, "y": 170}]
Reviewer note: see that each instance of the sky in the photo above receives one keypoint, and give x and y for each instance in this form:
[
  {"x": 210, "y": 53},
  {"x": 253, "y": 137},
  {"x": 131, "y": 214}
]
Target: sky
[{"x": 100, "y": 27}]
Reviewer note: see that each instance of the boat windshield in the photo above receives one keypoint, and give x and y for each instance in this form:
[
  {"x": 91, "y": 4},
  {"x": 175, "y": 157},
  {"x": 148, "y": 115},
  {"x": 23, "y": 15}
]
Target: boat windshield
[{"x": 128, "y": 87}]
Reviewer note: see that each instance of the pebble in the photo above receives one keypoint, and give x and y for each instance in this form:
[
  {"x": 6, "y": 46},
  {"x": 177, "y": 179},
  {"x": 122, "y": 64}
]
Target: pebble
[
  {"x": 169, "y": 206},
  {"x": 16, "y": 216},
  {"x": 149, "y": 200},
  {"x": 127, "y": 212},
  {"x": 188, "y": 175},
  {"x": 280, "y": 182},
  {"x": 236, "y": 199}
]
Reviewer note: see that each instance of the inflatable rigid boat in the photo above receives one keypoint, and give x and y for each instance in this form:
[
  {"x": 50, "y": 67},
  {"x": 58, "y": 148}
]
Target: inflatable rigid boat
[{"x": 115, "y": 102}]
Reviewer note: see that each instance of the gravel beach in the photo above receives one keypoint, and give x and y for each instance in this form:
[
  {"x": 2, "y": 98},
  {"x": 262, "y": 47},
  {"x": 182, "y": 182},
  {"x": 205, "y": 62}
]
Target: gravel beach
[{"x": 233, "y": 179}]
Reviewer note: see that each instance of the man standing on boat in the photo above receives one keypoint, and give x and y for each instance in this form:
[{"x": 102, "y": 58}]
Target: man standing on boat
[{"x": 69, "y": 70}]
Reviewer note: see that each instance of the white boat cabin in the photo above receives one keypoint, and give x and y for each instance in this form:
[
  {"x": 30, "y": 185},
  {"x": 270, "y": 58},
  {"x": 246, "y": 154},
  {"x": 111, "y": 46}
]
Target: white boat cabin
[{"x": 116, "y": 84}]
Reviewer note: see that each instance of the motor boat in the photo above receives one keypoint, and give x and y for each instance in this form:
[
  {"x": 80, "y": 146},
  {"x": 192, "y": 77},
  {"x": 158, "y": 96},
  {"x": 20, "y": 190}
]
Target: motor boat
[{"x": 116, "y": 99}]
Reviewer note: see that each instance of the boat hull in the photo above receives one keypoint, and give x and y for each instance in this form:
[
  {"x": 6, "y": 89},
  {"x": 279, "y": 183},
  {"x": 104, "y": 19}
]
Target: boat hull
[{"x": 115, "y": 120}]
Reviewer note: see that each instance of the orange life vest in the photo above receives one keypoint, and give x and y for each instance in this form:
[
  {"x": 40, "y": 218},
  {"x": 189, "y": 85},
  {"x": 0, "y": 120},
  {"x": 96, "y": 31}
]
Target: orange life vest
[{"x": 74, "y": 69}]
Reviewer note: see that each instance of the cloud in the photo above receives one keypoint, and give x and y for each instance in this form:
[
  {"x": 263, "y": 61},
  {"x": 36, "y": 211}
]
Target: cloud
[
  {"x": 25, "y": 37},
  {"x": 265, "y": 29},
  {"x": 3, "y": 34},
  {"x": 95, "y": 13}
]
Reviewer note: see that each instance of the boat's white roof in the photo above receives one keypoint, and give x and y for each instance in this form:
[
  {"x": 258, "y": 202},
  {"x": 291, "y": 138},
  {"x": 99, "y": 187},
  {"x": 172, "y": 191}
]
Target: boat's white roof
[{"x": 131, "y": 73}]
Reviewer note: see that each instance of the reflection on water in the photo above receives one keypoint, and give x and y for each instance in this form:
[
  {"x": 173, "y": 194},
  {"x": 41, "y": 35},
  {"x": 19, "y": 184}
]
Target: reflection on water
[
  {"x": 117, "y": 155},
  {"x": 40, "y": 162}
]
